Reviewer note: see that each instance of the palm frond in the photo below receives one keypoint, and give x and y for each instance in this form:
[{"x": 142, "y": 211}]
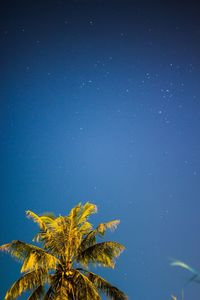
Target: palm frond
[
  {"x": 39, "y": 260},
  {"x": 28, "y": 281},
  {"x": 112, "y": 225},
  {"x": 105, "y": 287},
  {"x": 47, "y": 235},
  {"x": 102, "y": 253},
  {"x": 68, "y": 235},
  {"x": 18, "y": 249},
  {"x": 75, "y": 213},
  {"x": 33, "y": 257},
  {"x": 48, "y": 214},
  {"x": 91, "y": 237},
  {"x": 88, "y": 241},
  {"x": 86, "y": 210},
  {"x": 60, "y": 287},
  {"x": 83, "y": 289},
  {"x": 37, "y": 293},
  {"x": 85, "y": 228},
  {"x": 62, "y": 293},
  {"x": 54, "y": 232},
  {"x": 42, "y": 221}
]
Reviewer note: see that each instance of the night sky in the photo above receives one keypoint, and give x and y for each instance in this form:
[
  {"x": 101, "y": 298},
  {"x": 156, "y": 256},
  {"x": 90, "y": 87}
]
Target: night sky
[{"x": 100, "y": 102}]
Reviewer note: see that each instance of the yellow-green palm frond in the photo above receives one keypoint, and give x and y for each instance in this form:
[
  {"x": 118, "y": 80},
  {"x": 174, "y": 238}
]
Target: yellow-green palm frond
[
  {"x": 83, "y": 288},
  {"x": 71, "y": 285},
  {"x": 60, "y": 233},
  {"x": 105, "y": 287},
  {"x": 38, "y": 293},
  {"x": 91, "y": 237},
  {"x": 33, "y": 257},
  {"x": 61, "y": 296},
  {"x": 61, "y": 293},
  {"x": 80, "y": 213},
  {"x": 88, "y": 241},
  {"x": 85, "y": 228},
  {"x": 51, "y": 244},
  {"x": 42, "y": 221},
  {"x": 75, "y": 213},
  {"x": 48, "y": 214},
  {"x": 68, "y": 236},
  {"x": 28, "y": 281},
  {"x": 47, "y": 232},
  {"x": 112, "y": 225},
  {"x": 19, "y": 250},
  {"x": 86, "y": 210},
  {"x": 38, "y": 260},
  {"x": 102, "y": 254},
  {"x": 53, "y": 232},
  {"x": 60, "y": 286}
]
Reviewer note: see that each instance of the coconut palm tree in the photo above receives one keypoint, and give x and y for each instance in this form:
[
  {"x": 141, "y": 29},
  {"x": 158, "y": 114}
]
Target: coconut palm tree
[{"x": 58, "y": 270}]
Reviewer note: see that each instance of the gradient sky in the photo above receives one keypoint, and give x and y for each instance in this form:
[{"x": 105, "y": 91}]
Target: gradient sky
[{"x": 100, "y": 102}]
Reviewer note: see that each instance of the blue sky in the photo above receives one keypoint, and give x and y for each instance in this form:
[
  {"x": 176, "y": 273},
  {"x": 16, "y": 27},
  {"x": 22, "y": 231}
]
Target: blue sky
[{"x": 100, "y": 102}]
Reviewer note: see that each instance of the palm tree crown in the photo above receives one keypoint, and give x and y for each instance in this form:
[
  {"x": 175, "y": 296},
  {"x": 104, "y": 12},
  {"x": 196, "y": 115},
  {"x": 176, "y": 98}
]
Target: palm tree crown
[{"x": 59, "y": 269}]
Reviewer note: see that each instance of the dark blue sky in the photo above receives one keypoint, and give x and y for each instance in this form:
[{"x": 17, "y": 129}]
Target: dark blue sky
[{"x": 100, "y": 102}]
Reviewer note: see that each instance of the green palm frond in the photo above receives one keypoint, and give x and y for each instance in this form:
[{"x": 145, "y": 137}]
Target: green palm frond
[
  {"x": 39, "y": 260},
  {"x": 102, "y": 253},
  {"x": 28, "y": 281},
  {"x": 79, "y": 214},
  {"x": 60, "y": 287},
  {"x": 17, "y": 249},
  {"x": 48, "y": 234},
  {"x": 61, "y": 229},
  {"x": 88, "y": 241},
  {"x": 61, "y": 296},
  {"x": 75, "y": 213},
  {"x": 87, "y": 210},
  {"x": 62, "y": 293},
  {"x": 42, "y": 221},
  {"x": 112, "y": 225},
  {"x": 33, "y": 257},
  {"x": 83, "y": 288},
  {"x": 38, "y": 293},
  {"x": 90, "y": 238},
  {"x": 68, "y": 236},
  {"x": 85, "y": 228},
  {"x": 48, "y": 214},
  {"x": 55, "y": 233},
  {"x": 105, "y": 287}
]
